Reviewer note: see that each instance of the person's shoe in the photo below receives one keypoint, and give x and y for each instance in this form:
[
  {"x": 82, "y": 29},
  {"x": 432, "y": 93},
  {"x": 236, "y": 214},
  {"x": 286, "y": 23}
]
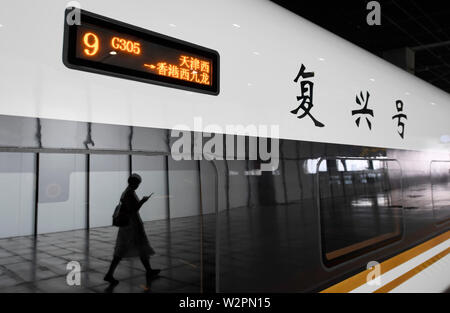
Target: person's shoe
[
  {"x": 110, "y": 279},
  {"x": 154, "y": 273},
  {"x": 150, "y": 275}
]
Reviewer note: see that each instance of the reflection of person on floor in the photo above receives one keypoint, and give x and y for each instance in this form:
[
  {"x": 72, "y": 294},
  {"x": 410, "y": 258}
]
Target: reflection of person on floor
[{"x": 131, "y": 239}]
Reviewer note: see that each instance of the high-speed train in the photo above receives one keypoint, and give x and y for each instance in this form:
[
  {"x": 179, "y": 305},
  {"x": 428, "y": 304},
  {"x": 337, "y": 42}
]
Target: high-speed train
[{"x": 284, "y": 158}]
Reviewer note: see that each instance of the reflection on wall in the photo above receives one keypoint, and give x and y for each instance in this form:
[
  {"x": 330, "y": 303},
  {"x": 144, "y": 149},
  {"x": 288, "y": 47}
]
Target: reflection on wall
[
  {"x": 360, "y": 206},
  {"x": 108, "y": 179},
  {"x": 184, "y": 188},
  {"x": 153, "y": 171},
  {"x": 440, "y": 186},
  {"x": 238, "y": 184},
  {"x": 17, "y": 181},
  {"x": 62, "y": 192}
]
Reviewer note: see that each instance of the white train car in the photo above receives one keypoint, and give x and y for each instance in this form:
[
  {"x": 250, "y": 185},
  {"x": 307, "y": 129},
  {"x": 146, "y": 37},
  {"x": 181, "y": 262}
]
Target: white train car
[{"x": 293, "y": 160}]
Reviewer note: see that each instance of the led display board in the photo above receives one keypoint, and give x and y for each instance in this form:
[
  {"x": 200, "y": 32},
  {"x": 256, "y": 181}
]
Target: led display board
[{"x": 105, "y": 46}]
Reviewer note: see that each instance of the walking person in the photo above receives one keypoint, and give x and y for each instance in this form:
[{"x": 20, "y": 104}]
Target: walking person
[{"x": 131, "y": 239}]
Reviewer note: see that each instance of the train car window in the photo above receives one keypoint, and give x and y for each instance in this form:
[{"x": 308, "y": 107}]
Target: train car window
[
  {"x": 340, "y": 166},
  {"x": 357, "y": 165},
  {"x": 105, "y": 46},
  {"x": 310, "y": 166},
  {"x": 360, "y": 203},
  {"x": 440, "y": 190}
]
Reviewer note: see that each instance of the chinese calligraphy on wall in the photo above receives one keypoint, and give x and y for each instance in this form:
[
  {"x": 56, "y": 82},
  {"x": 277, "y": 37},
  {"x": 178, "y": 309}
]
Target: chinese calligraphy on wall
[{"x": 365, "y": 113}]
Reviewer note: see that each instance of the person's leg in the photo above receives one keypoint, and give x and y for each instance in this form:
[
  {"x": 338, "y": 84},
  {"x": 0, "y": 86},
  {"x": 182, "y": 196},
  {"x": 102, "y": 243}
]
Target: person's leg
[
  {"x": 146, "y": 262},
  {"x": 109, "y": 276},
  {"x": 151, "y": 273}
]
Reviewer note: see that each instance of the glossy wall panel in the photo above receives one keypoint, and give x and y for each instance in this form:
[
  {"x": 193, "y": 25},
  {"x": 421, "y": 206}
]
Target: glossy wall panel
[
  {"x": 184, "y": 188},
  {"x": 62, "y": 192},
  {"x": 153, "y": 171},
  {"x": 440, "y": 187},
  {"x": 17, "y": 197},
  {"x": 108, "y": 179}
]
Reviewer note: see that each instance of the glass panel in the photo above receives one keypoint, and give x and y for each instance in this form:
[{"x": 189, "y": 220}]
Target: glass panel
[
  {"x": 153, "y": 172},
  {"x": 238, "y": 184},
  {"x": 184, "y": 188},
  {"x": 108, "y": 179},
  {"x": 18, "y": 131},
  {"x": 150, "y": 139},
  {"x": 261, "y": 233},
  {"x": 440, "y": 188},
  {"x": 17, "y": 193},
  {"x": 110, "y": 137},
  {"x": 360, "y": 207},
  {"x": 356, "y": 165},
  {"x": 310, "y": 166},
  {"x": 63, "y": 134},
  {"x": 62, "y": 192}
]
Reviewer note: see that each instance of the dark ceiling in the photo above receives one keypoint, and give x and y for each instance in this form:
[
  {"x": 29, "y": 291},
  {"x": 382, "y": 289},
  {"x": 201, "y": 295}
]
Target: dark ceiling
[{"x": 423, "y": 26}]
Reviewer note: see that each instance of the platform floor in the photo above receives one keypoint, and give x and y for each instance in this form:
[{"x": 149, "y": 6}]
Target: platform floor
[{"x": 29, "y": 265}]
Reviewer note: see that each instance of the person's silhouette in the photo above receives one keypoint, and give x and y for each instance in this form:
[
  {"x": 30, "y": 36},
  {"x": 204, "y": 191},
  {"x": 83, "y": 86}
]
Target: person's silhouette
[{"x": 131, "y": 239}]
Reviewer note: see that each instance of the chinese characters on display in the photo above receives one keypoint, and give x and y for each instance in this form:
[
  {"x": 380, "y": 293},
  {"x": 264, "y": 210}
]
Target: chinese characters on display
[{"x": 189, "y": 69}]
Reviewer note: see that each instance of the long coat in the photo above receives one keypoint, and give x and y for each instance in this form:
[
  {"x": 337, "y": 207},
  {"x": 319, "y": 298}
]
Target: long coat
[{"x": 132, "y": 240}]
